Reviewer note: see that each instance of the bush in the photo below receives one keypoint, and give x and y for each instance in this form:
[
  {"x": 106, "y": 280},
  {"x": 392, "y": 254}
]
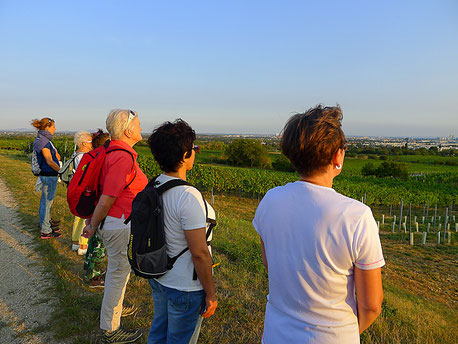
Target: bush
[
  {"x": 368, "y": 169},
  {"x": 247, "y": 153},
  {"x": 387, "y": 169},
  {"x": 282, "y": 163}
]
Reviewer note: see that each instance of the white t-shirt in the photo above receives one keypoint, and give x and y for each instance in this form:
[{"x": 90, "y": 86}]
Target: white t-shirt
[
  {"x": 184, "y": 209},
  {"x": 78, "y": 156},
  {"x": 313, "y": 238}
]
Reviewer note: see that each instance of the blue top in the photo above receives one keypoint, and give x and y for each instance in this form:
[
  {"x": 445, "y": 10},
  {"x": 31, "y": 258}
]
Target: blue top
[{"x": 47, "y": 170}]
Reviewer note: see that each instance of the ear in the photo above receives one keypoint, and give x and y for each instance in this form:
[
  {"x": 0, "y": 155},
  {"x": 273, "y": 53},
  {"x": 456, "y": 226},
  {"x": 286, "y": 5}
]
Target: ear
[
  {"x": 184, "y": 158},
  {"x": 338, "y": 157}
]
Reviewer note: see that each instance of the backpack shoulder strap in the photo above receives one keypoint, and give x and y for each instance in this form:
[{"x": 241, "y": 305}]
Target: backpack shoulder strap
[
  {"x": 170, "y": 184},
  {"x": 109, "y": 149},
  {"x": 106, "y": 145}
]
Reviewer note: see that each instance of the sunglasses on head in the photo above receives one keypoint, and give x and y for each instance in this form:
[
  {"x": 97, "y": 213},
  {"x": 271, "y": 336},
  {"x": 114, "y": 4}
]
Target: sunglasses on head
[{"x": 132, "y": 115}]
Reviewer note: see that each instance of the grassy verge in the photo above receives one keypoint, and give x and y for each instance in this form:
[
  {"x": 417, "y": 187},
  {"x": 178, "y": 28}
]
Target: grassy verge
[{"x": 419, "y": 281}]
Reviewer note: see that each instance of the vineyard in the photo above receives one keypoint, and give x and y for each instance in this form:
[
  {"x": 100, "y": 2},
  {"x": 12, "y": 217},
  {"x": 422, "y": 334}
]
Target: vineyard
[
  {"x": 433, "y": 183},
  {"x": 439, "y": 188}
]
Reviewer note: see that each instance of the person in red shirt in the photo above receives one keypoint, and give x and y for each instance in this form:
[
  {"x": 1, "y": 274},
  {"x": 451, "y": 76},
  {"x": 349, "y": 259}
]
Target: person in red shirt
[{"x": 120, "y": 181}]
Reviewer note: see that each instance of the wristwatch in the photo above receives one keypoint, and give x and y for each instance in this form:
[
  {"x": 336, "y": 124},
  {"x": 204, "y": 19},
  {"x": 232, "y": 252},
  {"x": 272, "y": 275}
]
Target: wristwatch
[{"x": 93, "y": 228}]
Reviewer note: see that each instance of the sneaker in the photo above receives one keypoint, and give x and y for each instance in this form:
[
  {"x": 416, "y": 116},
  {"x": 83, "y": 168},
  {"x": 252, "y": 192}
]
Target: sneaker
[
  {"x": 82, "y": 250},
  {"x": 54, "y": 223},
  {"x": 52, "y": 235},
  {"x": 97, "y": 282},
  {"x": 121, "y": 336},
  {"x": 128, "y": 310},
  {"x": 75, "y": 247},
  {"x": 55, "y": 229}
]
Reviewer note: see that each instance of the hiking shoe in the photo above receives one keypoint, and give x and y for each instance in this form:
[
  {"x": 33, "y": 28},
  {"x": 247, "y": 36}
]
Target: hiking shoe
[
  {"x": 121, "y": 336},
  {"x": 82, "y": 250},
  {"x": 97, "y": 282},
  {"x": 52, "y": 235},
  {"x": 128, "y": 310}
]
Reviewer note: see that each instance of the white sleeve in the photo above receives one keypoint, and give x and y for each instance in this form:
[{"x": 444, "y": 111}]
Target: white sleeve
[
  {"x": 261, "y": 211},
  {"x": 367, "y": 250},
  {"x": 76, "y": 161},
  {"x": 255, "y": 221},
  {"x": 192, "y": 210}
]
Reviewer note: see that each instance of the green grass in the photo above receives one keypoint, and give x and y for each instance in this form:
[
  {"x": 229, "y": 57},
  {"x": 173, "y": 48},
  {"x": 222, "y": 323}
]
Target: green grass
[
  {"x": 353, "y": 166},
  {"x": 420, "y": 282}
]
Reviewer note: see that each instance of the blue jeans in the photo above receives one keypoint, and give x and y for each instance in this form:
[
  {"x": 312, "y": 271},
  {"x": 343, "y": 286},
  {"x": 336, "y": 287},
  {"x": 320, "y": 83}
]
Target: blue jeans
[
  {"x": 176, "y": 314},
  {"x": 47, "y": 197}
]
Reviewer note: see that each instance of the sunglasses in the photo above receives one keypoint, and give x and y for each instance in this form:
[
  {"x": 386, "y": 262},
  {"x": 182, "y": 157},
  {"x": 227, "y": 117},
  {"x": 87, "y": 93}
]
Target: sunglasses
[
  {"x": 132, "y": 115},
  {"x": 196, "y": 148}
]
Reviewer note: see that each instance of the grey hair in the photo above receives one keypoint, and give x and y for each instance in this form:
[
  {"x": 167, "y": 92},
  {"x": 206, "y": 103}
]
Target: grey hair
[
  {"x": 116, "y": 123},
  {"x": 82, "y": 136}
]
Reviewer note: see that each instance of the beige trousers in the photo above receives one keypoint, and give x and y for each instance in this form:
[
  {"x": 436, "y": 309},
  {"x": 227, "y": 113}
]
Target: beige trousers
[
  {"x": 118, "y": 272},
  {"x": 78, "y": 225}
]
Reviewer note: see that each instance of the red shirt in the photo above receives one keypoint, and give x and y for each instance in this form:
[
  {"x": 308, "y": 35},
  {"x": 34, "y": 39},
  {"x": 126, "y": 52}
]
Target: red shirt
[{"x": 118, "y": 170}]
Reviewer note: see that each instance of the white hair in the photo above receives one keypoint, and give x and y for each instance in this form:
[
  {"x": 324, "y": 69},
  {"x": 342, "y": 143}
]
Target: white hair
[
  {"x": 82, "y": 136},
  {"x": 116, "y": 123}
]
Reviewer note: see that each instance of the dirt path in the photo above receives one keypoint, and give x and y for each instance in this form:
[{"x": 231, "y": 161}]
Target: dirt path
[{"x": 26, "y": 302}]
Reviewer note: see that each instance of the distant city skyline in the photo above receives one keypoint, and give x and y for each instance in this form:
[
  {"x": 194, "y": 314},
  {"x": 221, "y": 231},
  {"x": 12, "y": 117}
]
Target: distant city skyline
[{"x": 235, "y": 67}]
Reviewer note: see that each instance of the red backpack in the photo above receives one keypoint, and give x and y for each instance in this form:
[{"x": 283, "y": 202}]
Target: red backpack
[{"x": 82, "y": 192}]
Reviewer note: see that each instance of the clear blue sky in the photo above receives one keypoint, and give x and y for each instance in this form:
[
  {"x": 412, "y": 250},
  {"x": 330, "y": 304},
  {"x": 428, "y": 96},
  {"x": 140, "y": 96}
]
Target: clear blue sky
[{"x": 232, "y": 66}]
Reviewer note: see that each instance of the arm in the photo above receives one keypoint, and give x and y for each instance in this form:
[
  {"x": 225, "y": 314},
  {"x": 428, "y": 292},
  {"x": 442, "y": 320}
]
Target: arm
[
  {"x": 101, "y": 210},
  {"x": 48, "y": 157},
  {"x": 202, "y": 260},
  {"x": 57, "y": 154},
  {"x": 264, "y": 258},
  {"x": 369, "y": 294}
]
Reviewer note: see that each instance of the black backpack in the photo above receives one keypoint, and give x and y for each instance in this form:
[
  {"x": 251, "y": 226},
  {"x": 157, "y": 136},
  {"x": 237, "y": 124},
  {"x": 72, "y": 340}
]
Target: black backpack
[{"x": 146, "y": 251}]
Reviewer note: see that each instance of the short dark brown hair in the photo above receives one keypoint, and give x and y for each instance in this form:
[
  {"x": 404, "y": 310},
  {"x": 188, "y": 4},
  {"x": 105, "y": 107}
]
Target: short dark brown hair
[
  {"x": 311, "y": 139},
  {"x": 99, "y": 138},
  {"x": 169, "y": 142}
]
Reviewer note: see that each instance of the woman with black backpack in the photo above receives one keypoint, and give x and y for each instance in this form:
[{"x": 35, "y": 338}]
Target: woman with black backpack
[{"x": 186, "y": 293}]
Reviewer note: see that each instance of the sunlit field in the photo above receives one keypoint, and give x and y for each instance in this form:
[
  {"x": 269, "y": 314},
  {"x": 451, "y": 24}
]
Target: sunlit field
[{"x": 420, "y": 280}]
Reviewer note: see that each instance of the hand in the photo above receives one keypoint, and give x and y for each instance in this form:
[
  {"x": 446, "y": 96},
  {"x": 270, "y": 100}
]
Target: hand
[
  {"x": 211, "y": 307},
  {"x": 88, "y": 232}
]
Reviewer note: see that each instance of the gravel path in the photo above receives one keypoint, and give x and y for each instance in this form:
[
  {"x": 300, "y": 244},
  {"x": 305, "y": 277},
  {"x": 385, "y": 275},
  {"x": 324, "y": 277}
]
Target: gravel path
[{"x": 25, "y": 300}]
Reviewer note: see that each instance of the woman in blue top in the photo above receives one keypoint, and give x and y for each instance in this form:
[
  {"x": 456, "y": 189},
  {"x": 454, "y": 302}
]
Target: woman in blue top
[{"x": 48, "y": 159}]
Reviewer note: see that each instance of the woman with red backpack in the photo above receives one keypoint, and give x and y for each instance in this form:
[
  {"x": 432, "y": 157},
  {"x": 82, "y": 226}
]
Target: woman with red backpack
[{"x": 120, "y": 180}]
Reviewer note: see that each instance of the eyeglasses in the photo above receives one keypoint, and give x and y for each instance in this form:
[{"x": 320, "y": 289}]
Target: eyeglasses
[
  {"x": 196, "y": 148},
  {"x": 132, "y": 115}
]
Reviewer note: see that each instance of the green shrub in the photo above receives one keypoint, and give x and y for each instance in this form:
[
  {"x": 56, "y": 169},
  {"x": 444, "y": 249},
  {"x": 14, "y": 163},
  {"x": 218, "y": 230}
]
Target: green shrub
[
  {"x": 282, "y": 163},
  {"x": 391, "y": 169},
  {"x": 247, "y": 153}
]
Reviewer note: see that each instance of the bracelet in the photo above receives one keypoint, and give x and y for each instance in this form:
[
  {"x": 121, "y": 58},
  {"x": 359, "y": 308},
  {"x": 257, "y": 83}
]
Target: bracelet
[{"x": 93, "y": 228}]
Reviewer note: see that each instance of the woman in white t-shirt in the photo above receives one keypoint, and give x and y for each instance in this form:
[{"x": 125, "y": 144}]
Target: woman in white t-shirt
[
  {"x": 187, "y": 290},
  {"x": 318, "y": 246},
  {"x": 83, "y": 140}
]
